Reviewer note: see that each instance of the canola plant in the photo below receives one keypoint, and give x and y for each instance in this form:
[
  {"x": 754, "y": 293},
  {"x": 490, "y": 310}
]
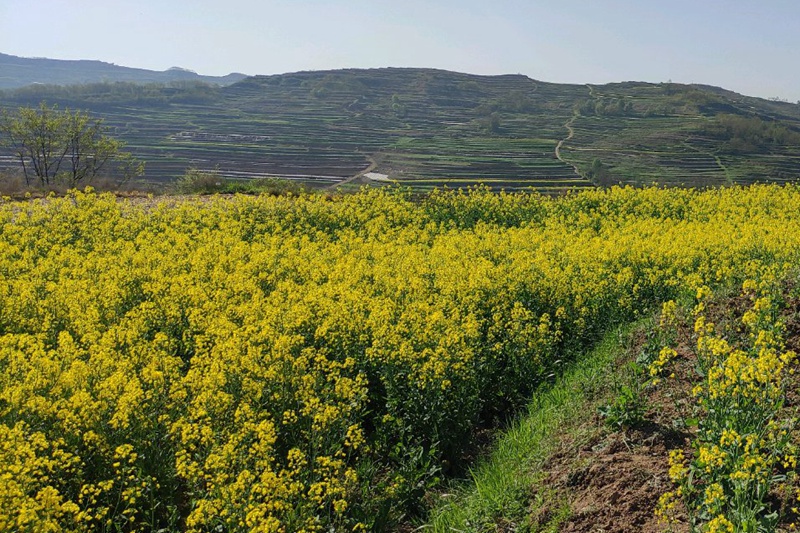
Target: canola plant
[
  {"x": 309, "y": 363},
  {"x": 744, "y": 447}
]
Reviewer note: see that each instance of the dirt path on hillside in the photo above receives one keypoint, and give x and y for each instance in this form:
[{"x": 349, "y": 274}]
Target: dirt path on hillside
[
  {"x": 728, "y": 179},
  {"x": 372, "y": 166},
  {"x": 571, "y": 133}
]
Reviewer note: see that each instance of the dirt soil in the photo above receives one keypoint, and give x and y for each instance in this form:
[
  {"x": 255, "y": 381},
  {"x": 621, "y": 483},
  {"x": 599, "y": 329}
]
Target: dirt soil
[
  {"x": 613, "y": 479},
  {"x": 617, "y": 482}
]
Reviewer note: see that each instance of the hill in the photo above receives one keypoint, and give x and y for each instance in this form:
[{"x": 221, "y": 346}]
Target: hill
[
  {"x": 428, "y": 128},
  {"x": 16, "y": 72}
]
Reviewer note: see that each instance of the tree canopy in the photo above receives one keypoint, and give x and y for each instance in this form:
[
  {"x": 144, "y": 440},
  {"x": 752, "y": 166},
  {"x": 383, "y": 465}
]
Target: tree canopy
[{"x": 57, "y": 146}]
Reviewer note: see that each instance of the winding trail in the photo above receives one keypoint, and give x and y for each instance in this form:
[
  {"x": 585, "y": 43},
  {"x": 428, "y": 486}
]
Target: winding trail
[
  {"x": 372, "y": 166},
  {"x": 570, "y": 135},
  {"x": 571, "y": 131},
  {"x": 724, "y": 169},
  {"x": 728, "y": 179}
]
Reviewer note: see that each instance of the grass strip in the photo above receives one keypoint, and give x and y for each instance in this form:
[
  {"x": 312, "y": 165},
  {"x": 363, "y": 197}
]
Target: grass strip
[{"x": 498, "y": 496}]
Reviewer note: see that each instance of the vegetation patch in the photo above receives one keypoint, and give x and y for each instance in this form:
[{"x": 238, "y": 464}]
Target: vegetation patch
[{"x": 313, "y": 363}]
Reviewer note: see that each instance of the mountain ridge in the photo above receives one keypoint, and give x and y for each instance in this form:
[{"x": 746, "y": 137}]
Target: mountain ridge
[{"x": 17, "y": 72}]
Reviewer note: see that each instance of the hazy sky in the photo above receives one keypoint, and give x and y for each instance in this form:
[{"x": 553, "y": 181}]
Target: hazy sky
[{"x": 752, "y": 47}]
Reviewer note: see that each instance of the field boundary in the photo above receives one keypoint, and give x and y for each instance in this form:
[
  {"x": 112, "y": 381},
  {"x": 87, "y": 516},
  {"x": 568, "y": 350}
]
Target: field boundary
[{"x": 498, "y": 492}]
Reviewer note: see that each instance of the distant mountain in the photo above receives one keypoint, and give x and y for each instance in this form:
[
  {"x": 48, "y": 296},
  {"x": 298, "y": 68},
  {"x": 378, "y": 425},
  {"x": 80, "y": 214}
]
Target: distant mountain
[
  {"x": 426, "y": 128},
  {"x": 18, "y": 72}
]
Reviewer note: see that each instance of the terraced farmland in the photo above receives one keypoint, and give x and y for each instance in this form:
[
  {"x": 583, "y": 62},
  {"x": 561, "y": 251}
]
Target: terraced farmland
[
  {"x": 656, "y": 133},
  {"x": 427, "y": 128}
]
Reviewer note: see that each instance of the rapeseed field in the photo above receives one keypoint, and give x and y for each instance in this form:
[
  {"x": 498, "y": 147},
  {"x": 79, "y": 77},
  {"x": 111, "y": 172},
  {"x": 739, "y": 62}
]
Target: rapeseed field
[{"x": 271, "y": 364}]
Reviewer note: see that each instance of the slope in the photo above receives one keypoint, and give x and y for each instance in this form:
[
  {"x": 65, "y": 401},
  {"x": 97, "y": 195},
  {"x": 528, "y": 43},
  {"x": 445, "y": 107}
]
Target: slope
[{"x": 429, "y": 128}]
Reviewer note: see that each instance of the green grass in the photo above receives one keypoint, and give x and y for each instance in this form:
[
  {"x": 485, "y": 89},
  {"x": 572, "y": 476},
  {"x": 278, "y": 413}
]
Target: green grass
[
  {"x": 199, "y": 182},
  {"x": 499, "y": 495}
]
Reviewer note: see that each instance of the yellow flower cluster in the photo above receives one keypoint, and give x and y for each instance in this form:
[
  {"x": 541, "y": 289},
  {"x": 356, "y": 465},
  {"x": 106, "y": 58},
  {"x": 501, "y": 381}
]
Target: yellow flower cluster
[
  {"x": 743, "y": 444},
  {"x": 665, "y": 356},
  {"x": 275, "y": 364},
  {"x": 677, "y": 466},
  {"x": 720, "y": 524}
]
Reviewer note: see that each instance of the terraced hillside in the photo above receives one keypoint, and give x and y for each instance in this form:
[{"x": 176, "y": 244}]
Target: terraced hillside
[
  {"x": 673, "y": 134},
  {"x": 423, "y": 126},
  {"x": 429, "y": 128}
]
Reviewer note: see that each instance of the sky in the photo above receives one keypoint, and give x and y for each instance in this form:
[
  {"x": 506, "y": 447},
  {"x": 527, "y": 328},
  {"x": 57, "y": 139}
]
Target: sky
[{"x": 750, "y": 47}]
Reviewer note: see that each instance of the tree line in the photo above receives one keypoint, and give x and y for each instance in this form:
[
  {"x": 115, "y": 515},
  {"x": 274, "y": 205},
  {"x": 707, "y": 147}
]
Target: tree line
[{"x": 115, "y": 93}]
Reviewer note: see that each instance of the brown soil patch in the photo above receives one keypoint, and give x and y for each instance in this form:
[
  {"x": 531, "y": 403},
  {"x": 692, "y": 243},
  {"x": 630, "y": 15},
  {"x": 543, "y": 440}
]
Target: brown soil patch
[
  {"x": 613, "y": 480},
  {"x": 619, "y": 484}
]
